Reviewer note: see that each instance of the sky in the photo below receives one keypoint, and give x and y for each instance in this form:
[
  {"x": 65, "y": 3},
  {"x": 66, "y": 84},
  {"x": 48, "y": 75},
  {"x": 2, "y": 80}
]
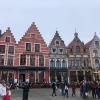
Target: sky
[{"x": 65, "y": 16}]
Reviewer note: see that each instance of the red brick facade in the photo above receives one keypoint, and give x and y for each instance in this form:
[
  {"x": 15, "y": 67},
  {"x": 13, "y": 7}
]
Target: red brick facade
[{"x": 31, "y": 39}]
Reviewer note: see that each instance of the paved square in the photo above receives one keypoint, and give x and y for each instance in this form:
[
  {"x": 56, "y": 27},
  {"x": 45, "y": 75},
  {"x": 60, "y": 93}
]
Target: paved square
[{"x": 44, "y": 94}]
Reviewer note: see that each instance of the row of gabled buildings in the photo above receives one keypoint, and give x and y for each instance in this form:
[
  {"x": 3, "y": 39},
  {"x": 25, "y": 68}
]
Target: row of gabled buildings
[{"x": 32, "y": 60}]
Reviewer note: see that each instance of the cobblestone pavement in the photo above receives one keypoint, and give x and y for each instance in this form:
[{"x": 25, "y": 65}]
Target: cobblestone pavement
[{"x": 44, "y": 94}]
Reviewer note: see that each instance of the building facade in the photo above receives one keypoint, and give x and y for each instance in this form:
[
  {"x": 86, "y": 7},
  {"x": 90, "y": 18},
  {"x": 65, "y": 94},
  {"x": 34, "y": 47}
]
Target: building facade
[
  {"x": 30, "y": 52},
  {"x": 7, "y": 54},
  {"x": 79, "y": 67},
  {"x": 94, "y": 50},
  {"x": 58, "y": 61}
]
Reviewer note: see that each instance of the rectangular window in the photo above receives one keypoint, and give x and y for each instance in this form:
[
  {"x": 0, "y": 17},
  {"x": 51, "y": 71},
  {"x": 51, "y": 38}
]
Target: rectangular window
[
  {"x": 77, "y": 63},
  {"x": 23, "y": 60},
  {"x": 41, "y": 61},
  {"x": 1, "y": 59},
  {"x": 32, "y": 60},
  {"x": 2, "y": 48},
  {"x": 77, "y": 49},
  {"x": 37, "y": 47},
  {"x": 10, "y": 60},
  {"x": 7, "y": 39},
  {"x": 28, "y": 46},
  {"x": 11, "y": 50}
]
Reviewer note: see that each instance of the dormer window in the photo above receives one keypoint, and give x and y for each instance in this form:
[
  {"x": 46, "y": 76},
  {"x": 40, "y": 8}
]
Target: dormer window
[
  {"x": 7, "y": 39},
  {"x": 97, "y": 43},
  {"x": 57, "y": 43},
  {"x": 28, "y": 46}
]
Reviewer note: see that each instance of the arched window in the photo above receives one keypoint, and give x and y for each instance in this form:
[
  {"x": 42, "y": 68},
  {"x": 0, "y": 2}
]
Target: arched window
[
  {"x": 58, "y": 63},
  {"x": 97, "y": 62},
  {"x": 63, "y": 63},
  {"x": 52, "y": 63}
]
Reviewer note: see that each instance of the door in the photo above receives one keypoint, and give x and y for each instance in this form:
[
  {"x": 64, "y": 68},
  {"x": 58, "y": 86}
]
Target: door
[{"x": 22, "y": 77}]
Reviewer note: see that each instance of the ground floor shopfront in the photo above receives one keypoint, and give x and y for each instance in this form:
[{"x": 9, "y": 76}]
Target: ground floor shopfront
[
  {"x": 80, "y": 75},
  {"x": 58, "y": 74},
  {"x": 22, "y": 74}
]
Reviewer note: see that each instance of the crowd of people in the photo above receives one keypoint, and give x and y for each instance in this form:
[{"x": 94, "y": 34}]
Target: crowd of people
[{"x": 88, "y": 89}]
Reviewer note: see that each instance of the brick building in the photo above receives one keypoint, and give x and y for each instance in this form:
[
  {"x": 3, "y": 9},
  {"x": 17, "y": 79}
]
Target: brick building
[
  {"x": 7, "y": 54},
  {"x": 30, "y": 56},
  {"x": 79, "y": 67}
]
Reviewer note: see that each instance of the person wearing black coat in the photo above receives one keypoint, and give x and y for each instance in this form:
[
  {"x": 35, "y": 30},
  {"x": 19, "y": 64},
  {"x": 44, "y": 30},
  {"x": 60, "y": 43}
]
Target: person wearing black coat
[{"x": 25, "y": 88}]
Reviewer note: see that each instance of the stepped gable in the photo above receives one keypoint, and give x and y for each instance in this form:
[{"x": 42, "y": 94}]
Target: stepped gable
[
  {"x": 9, "y": 34},
  {"x": 88, "y": 44},
  {"x": 34, "y": 35},
  {"x": 57, "y": 37}
]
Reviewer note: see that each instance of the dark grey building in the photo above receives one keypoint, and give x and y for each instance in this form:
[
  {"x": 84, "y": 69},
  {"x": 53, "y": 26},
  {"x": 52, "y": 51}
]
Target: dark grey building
[{"x": 58, "y": 61}]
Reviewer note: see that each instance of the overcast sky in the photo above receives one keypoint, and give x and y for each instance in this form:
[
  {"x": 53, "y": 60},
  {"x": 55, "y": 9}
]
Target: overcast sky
[{"x": 52, "y": 15}]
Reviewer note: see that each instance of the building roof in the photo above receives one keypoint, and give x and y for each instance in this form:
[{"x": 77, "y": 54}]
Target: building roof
[{"x": 90, "y": 42}]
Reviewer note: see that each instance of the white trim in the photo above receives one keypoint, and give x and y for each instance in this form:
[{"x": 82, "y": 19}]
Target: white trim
[
  {"x": 34, "y": 46},
  {"x": 35, "y": 60},
  {"x": 62, "y": 51},
  {"x": 9, "y": 37},
  {"x": 19, "y": 60},
  {"x": 26, "y": 60},
  {"x": 25, "y": 46},
  {"x": 58, "y": 41},
  {"x": 44, "y": 61},
  {"x": 29, "y": 59},
  {"x": 38, "y": 61}
]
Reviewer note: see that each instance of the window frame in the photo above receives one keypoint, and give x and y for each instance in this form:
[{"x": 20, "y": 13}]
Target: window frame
[
  {"x": 30, "y": 47},
  {"x": 35, "y": 48}
]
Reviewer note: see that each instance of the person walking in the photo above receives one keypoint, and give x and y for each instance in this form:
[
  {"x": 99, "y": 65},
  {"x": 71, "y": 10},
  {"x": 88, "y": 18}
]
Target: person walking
[
  {"x": 25, "y": 87},
  {"x": 25, "y": 91},
  {"x": 66, "y": 90},
  {"x": 54, "y": 89},
  {"x": 73, "y": 86}
]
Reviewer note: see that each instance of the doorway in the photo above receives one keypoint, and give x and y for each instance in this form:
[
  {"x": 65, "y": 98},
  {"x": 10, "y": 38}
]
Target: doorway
[{"x": 22, "y": 77}]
